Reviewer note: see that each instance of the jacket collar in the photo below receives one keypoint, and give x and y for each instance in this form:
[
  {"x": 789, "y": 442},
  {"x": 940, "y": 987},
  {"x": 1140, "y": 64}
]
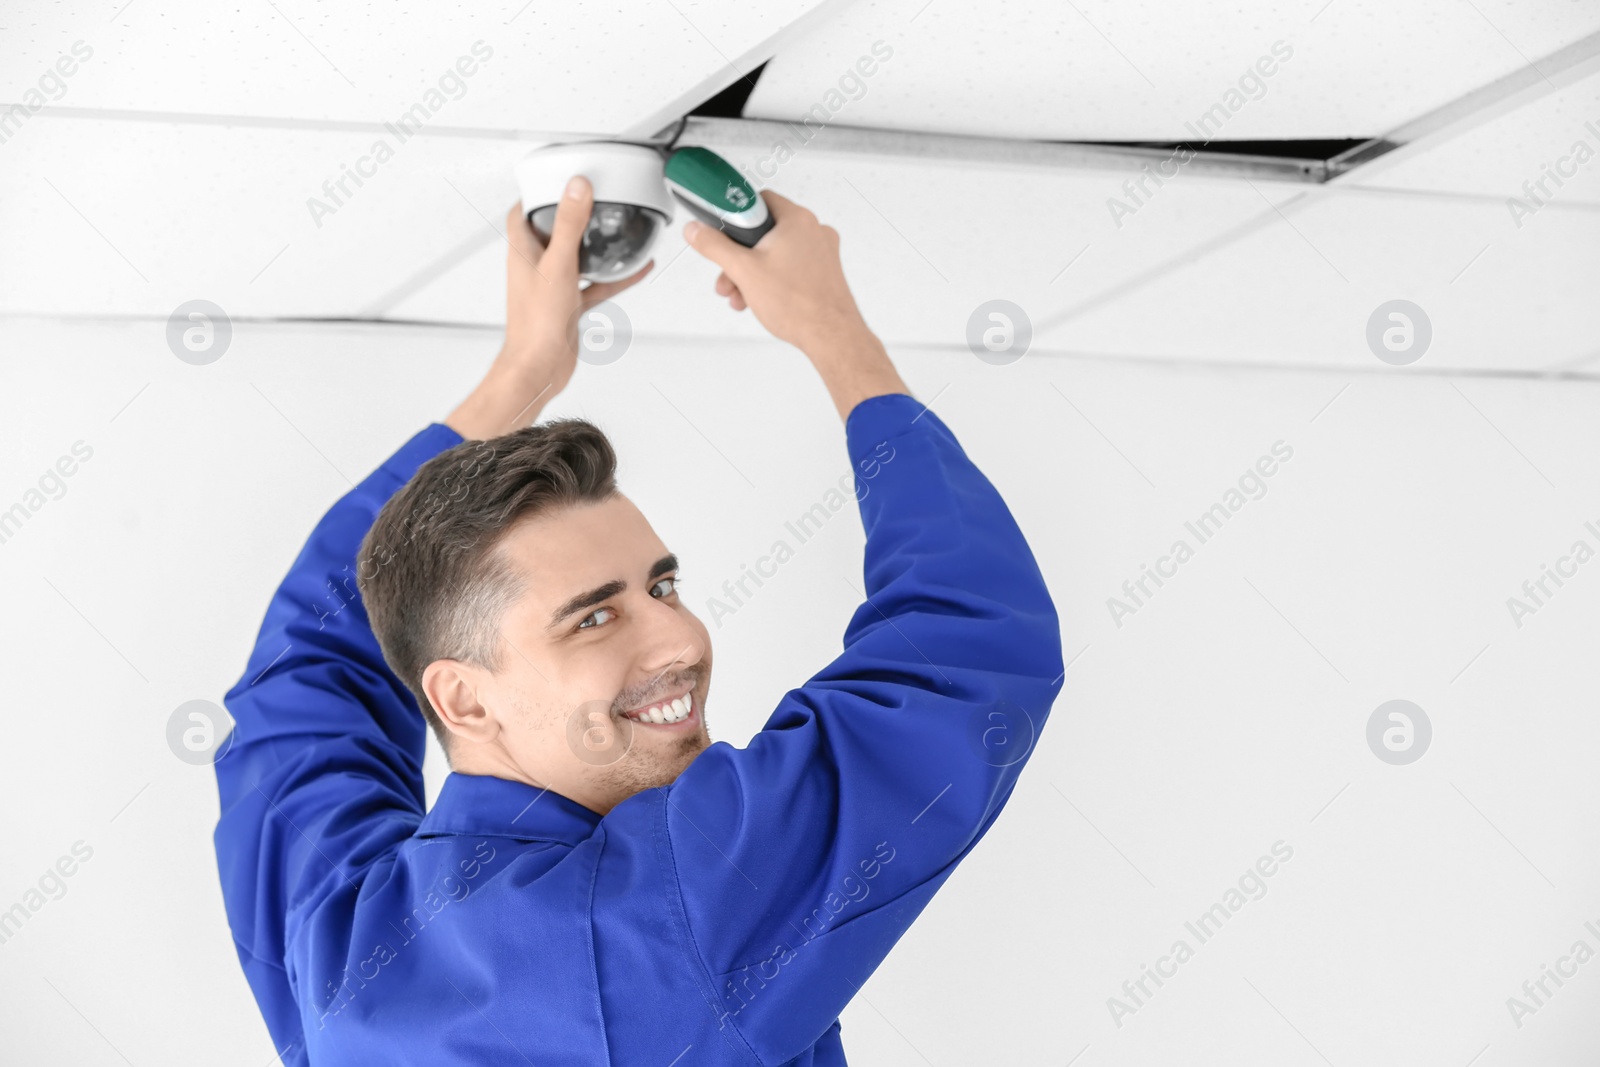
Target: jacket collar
[{"x": 473, "y": 804}]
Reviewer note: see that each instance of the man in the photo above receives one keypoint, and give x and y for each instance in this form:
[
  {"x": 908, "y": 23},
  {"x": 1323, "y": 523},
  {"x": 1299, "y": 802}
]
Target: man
[{"x": 597, "y": 882}]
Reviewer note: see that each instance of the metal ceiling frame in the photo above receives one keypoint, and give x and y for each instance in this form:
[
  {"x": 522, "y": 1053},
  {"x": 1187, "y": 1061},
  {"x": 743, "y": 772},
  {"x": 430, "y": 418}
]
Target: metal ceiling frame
[
  {"x": 1562, "y": 67},
  {"x": 672, "y": 122},
  {"x": 1523, "y": 85},
  {"x": 992, "y": 151}
]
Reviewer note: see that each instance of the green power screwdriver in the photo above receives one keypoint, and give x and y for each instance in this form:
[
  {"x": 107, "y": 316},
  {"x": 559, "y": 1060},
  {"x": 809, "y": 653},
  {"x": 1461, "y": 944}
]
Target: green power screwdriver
[{"x": 717, "y": 194}]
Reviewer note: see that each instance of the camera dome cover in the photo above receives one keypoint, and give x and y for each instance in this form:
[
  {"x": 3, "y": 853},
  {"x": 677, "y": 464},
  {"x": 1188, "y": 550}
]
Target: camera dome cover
[{"x": 631, "y": 202}]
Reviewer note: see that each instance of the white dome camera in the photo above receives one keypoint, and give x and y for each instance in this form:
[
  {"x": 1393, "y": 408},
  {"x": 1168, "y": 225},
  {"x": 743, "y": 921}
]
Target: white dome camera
[{"x": 631, "y": 202}]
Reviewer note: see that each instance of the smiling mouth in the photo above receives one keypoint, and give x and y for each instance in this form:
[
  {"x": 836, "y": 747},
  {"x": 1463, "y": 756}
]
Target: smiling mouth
[{"x": 672, "y": 712}]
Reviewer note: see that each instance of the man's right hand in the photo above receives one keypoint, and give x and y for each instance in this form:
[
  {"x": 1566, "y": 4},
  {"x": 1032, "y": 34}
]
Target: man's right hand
[
  {"x": 791, "y": 279},
  {"x": 794, "y": 283}
]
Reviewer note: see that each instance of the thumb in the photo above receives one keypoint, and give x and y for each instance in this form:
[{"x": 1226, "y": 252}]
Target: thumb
[
  {"x": 572, "y": 218},
  {"x": 716, "y": 246}
]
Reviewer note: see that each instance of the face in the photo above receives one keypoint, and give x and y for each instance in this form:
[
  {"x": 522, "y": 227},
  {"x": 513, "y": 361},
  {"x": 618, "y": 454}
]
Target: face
[{"x": 594, "y": 653}]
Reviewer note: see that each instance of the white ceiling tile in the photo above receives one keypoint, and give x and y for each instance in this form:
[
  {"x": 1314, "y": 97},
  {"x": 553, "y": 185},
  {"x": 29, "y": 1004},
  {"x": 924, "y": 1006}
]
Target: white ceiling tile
[
  {"x": 577, "y": 65},
  {"x": 1301, "y": 288},
  {"x": 1559, "y": 130},
  {"x": 1113, "y": 70},
  {"x": 224, "y": 214}
]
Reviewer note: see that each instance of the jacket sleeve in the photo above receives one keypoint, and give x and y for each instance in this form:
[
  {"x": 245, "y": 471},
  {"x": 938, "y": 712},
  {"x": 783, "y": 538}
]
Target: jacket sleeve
[
  {"x": 801, "y": 859},
  {"x": 322, "y": 774}
]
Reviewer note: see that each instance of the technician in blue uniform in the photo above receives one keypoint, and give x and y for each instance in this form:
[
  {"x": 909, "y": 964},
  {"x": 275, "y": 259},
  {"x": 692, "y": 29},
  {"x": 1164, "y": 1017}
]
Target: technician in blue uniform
[{"x": 597, "y": 882}]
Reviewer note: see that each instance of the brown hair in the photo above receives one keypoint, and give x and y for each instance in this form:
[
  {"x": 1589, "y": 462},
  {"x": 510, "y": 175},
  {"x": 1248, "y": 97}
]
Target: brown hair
[{"x": 434, "y": 584}]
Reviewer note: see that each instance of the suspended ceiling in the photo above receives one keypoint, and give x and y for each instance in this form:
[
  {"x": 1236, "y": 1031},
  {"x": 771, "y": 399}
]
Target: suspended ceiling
[{"x": 180, "y": 159}]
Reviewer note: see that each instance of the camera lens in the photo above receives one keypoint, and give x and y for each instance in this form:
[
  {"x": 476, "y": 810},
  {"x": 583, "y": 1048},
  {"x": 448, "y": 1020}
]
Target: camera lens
[{"x": 616, "y": 242}]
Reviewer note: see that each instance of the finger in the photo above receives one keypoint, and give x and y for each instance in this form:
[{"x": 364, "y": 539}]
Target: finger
[
  {"x": 572, "y": 218},
  {"x": 725, "y": 287},
  {"x": 781, "y": 206},
  {"x": 716, "y": 246},
  {"x": 606, "y": 290},
  {"x": 525, "y": 247}
]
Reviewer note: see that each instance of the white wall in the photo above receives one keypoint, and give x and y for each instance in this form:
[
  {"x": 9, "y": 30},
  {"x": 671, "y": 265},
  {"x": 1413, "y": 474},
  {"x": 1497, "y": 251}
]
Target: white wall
[{"x": 1228, "y": 714}]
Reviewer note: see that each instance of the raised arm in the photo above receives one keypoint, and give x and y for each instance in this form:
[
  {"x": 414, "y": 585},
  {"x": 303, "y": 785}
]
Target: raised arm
[
  {"x": 802, "y": 859},
  {"x": 322, "y": 776},
  {"x": 799, "y": 861}
]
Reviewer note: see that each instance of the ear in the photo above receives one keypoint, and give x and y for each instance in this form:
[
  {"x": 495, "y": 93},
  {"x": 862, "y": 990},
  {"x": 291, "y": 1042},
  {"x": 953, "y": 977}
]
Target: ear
[{"x": 453, "y": 688}]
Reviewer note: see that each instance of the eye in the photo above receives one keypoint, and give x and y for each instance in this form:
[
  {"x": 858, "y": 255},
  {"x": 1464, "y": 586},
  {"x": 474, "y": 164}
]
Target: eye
[
  {"x": 587, "y": 623},
  {"x": 584, "y": 625}
]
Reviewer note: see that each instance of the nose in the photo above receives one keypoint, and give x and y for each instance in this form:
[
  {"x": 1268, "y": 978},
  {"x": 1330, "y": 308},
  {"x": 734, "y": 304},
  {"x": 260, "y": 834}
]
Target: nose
[{"x": 675, "y": 642}]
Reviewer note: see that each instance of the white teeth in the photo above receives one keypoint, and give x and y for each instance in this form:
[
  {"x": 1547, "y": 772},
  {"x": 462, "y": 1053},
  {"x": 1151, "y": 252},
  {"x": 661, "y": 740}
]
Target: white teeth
[{"x": 670, "y": 712}]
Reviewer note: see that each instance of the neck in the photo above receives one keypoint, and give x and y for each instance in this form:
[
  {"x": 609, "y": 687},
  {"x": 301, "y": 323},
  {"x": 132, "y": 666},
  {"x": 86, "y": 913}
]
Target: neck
[{"x": 493, "y": 761}]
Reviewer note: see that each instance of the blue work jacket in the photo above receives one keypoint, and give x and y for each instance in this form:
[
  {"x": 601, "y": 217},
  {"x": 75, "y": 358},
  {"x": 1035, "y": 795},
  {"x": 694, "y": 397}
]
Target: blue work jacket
[{"x": 726, "y": 918}]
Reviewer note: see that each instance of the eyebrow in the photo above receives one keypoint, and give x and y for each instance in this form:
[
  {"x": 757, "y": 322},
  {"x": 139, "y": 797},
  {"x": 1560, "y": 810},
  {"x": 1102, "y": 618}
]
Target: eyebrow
[{"x": 601, "y": 593}]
